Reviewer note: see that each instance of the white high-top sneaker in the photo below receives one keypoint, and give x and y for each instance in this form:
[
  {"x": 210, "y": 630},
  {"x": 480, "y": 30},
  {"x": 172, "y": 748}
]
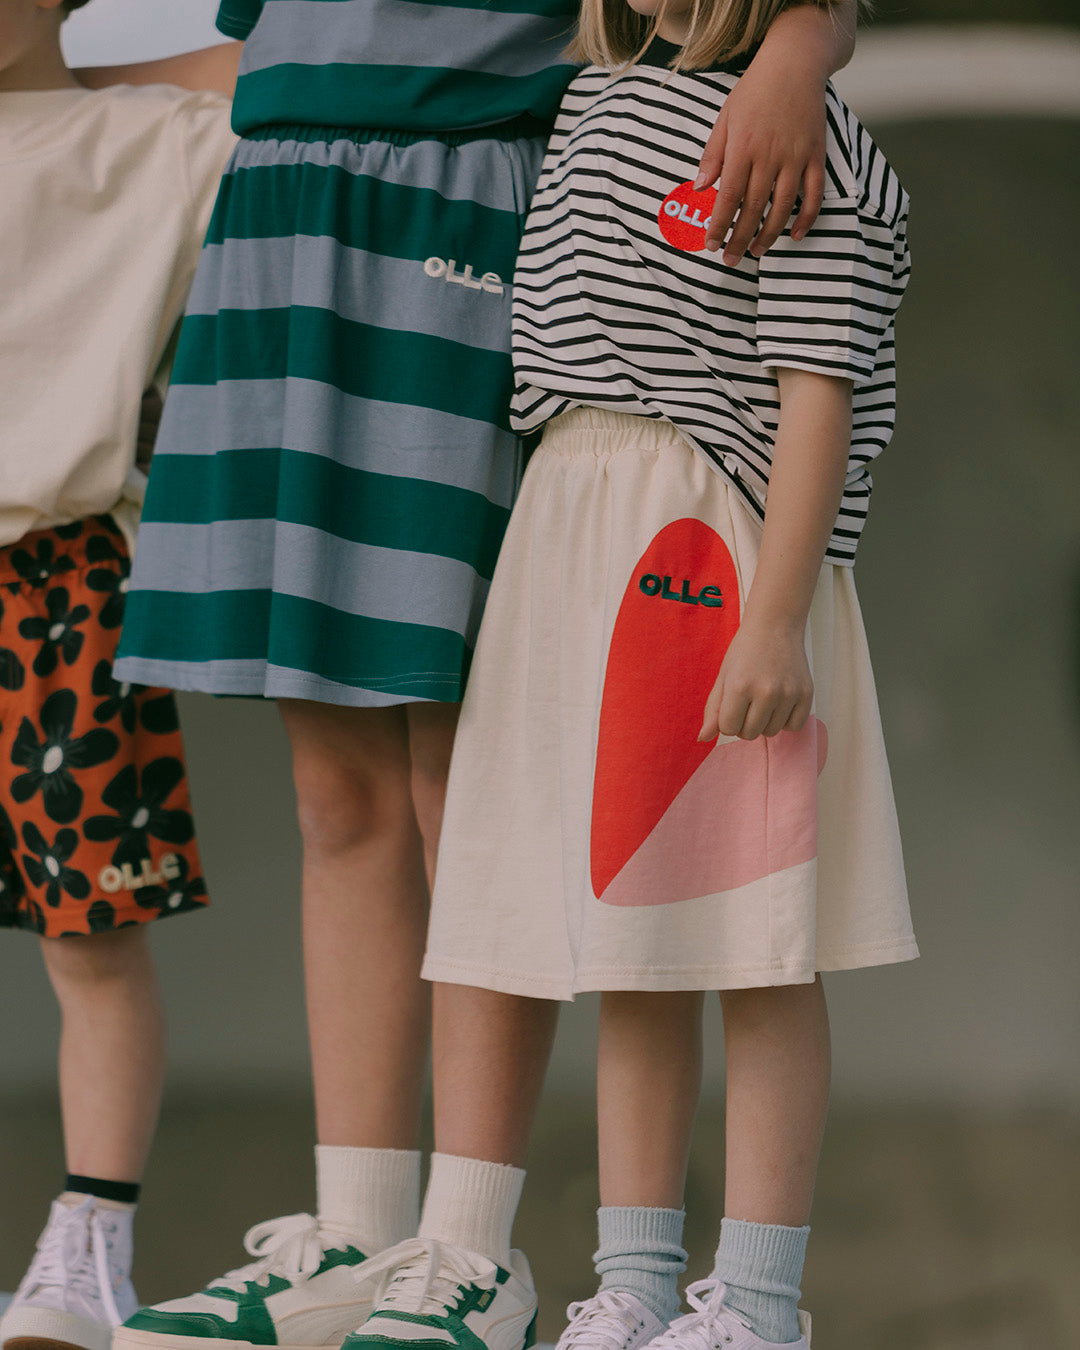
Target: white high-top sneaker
[
  {"x": 78, "y": 1287},
  {"x": 711, "y": 1326},
  {"x": 613, "y": 1319}
]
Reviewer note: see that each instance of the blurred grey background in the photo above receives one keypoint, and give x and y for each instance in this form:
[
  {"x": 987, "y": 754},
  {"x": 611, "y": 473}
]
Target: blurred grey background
[{"x": 949, "y": 1203}]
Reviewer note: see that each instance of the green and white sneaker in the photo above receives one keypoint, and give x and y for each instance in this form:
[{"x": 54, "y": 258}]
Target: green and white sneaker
[
  {"x": 428, "y": 1294},
  {"x": 300, "y": 1293}
]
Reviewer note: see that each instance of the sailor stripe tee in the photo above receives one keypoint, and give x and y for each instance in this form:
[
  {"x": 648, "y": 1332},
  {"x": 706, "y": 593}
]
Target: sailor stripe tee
[
  {"x": 407, "y": 65},
  {"x": 617, "y": 304}
]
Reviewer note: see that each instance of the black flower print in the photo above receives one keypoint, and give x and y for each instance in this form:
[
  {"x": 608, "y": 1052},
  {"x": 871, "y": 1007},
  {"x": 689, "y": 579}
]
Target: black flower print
[
  {"x": 159, "y": 715},
  {"x": 11, "y": 894},
  {"x": 57, "y": 634},
  {"x": 141, "y": 813},
  {"x": 12, "y": 670},
  {"x": 115, "y": 586},
  {"x": 112, "y": 579},
  {"x": 100, "y": 548},
  {"x": 101, "y": 917},
  {"x": 11, "y": 881},
  {"x": 37, "y": 569},
  {"x": 46, "y": 864},
  {"x": 71, "y": 531},
  {"x": 49, "y": 763},
  {"x": 8, "y": 837},
  {"x": 31, "y": 916},
  {"x": 109, "y": 525},
  {"x": 177, "y": 893},
  {"x": 118, "y": 700}
]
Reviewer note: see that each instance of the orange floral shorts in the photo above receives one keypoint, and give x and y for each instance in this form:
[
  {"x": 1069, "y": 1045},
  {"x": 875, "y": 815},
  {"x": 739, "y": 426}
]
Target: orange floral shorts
[{"x": 95, "y": 819}]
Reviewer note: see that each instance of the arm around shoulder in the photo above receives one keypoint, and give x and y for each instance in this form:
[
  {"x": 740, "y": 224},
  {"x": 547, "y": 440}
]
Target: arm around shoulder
[
  {"x": 210, "y": 68},
  {"x": 769, "y": 141}
]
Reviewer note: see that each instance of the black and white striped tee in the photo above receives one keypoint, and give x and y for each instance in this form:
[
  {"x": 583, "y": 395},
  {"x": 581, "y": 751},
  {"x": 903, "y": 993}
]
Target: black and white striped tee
[{"x": 617, "y": 304}]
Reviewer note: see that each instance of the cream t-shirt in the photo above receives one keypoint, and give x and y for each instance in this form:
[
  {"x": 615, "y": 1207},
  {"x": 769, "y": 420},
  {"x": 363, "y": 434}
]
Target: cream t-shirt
[{"x": 104, "y": 200}]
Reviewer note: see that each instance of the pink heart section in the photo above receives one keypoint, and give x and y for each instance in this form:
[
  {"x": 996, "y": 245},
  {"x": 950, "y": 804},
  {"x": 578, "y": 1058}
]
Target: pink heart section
[{"x": 748, "y": 811}]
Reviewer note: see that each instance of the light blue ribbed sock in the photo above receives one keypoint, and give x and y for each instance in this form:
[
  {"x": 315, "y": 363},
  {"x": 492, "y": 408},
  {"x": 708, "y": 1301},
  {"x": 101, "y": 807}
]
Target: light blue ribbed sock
[
  {"x": 761, "y": 1266},
  {"x": 641, "y": 1250}
]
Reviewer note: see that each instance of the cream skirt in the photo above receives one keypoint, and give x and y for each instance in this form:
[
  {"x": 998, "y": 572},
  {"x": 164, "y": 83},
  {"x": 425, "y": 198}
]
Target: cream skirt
[{"x": 590, "y": 842}]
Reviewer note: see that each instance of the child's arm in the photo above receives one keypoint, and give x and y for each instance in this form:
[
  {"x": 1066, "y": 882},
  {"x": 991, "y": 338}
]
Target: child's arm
[
  {"x": 211, "y": 68},
  {"x": 764, "y": 685},
  {"x": 770, "y": 137}
]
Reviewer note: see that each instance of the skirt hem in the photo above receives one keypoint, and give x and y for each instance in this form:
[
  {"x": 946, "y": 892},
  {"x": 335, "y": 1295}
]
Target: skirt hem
[{"x": 659, "y": 979}]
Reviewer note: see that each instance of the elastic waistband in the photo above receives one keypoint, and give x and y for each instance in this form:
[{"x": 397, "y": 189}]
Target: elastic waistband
[
  {"x": 519, "y": 128},
  {"x": 583, "y": 429}
]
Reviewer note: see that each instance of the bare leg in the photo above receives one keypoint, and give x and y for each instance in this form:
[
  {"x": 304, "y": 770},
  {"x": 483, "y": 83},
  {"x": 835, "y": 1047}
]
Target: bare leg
[
  {"x": 431, "y": 739},
  {"x": 112, "y": 1050},
  {"x": 365, "y": 913},
  {"x": 648, "y": 1082},
  {"x": 778, "y": 1064},
  {"x": 503, "y": 1042}
]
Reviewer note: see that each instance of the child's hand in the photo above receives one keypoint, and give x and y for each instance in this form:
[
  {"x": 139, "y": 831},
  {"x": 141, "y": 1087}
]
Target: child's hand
[
  {"x": 764, "y": 686},
  {"x": 770, "y": 136},
  {"x": 768, "y": 140}
]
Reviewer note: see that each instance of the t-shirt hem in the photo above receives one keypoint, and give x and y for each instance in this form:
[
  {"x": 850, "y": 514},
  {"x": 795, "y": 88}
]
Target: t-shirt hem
[
  {"x": 209, "y": 678},
  {"x": 234, "y": 28},
  {"x": 839, "y": 555},
  {"x": 817, "y": 362}
]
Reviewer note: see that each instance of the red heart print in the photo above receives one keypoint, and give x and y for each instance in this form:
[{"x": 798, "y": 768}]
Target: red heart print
[{"x": 678, "y": 615}]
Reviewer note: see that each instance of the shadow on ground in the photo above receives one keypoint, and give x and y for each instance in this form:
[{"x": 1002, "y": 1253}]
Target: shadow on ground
[{"x": 932, "y": 1230}]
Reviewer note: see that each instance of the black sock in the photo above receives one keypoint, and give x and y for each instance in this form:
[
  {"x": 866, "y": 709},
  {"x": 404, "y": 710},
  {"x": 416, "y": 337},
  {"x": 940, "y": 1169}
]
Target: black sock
[{"x": 122, "y": 1192}]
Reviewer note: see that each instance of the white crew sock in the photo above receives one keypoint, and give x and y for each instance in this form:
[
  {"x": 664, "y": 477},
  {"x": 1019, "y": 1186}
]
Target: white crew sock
[
  {"x": 472, "y": 1204},
  {"x": 372, "y": 1194}
]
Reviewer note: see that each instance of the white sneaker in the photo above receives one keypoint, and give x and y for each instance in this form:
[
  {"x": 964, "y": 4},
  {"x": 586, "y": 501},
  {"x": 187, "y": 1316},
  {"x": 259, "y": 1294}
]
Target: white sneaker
[
  {"x": 711, "y": 1326},
  {"x": 431, "y": 1293},
  {"x": 78, "y": 1287},
  {"x": 614, "y": 1319},
  {"x": 298, "y": 1294}
]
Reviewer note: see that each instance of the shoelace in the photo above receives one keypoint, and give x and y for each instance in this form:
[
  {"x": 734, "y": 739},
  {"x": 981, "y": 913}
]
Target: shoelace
[
  {"x": 292, "y": 1246},
  {"x": 423, "y": 1276},
  {"x": 591, "y": 1322},
  {"x": 710, "y": 1326},
  {"x": 102, "y": 1243},
  {"x": 73, "y": 1255}
]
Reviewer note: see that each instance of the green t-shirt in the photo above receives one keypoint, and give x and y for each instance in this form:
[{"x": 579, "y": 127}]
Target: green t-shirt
[{"x": 408, "y": 65}]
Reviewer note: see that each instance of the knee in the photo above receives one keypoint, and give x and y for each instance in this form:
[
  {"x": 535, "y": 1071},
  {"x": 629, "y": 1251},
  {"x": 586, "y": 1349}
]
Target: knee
[
  {"x": 431, "y": 740},
  {"x": 342, "y": 805},
  {"x": 429, "y": 800},
  {"x": 83, "y": 961},
  {"x": 771, "y": 1002}
]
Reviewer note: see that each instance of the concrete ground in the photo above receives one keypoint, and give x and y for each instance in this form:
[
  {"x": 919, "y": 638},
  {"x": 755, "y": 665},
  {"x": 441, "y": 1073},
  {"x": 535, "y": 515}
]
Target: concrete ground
[{"x": 932, "y": 1230}]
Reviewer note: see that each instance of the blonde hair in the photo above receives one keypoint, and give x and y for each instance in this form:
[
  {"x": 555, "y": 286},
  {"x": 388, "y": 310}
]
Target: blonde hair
[{"x": 611, "y": 34}]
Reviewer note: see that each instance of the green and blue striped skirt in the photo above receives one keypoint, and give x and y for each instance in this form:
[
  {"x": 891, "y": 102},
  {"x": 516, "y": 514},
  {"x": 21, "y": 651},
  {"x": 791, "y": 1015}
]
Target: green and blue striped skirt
[{"x": 335, "y": 467}]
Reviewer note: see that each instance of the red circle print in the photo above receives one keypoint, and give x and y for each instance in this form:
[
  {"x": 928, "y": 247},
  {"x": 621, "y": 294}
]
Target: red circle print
[{"x": 684, "y": 217}]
